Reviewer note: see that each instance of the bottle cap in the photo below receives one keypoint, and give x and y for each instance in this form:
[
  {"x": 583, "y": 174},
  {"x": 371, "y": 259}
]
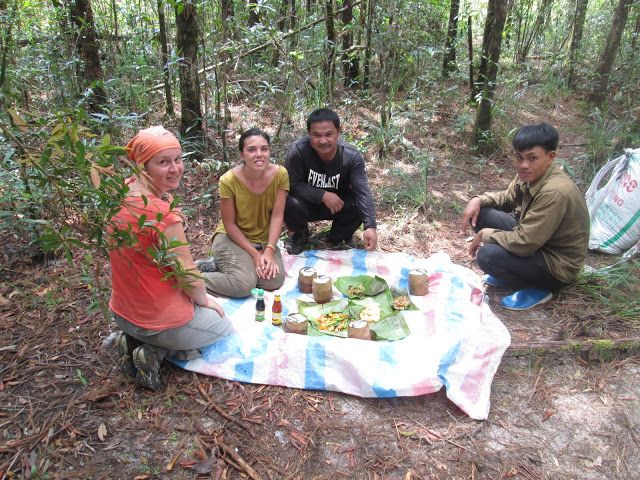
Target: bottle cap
[{"x": 260, "y": 292}]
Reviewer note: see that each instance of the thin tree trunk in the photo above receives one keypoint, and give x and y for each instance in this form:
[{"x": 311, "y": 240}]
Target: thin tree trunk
[
  {"x": 114, "y": 11},
  {"x": 254, "y": 13},
  {"x": 496, "y": 14},
  {"x": 168, "y": 95},
  {"x": 367, "y": 50},
  {"x": 470, "y": 50},
  {"x": 187, "y": 42},
  {"x": 636, "y": 33},
  {"x": 448, "y": 63},
  {"x": 8, "y": 13},
  {"x": 89, "y": 52},
  {"x": 282, "y": 26},
  {"x": 534, "y": 32},
  {"x": 349, "y": 59},
  {"x": 576, "y": 39},
  {"x": 293, "y": 24},
  {"x": 227, "y": 13},
  {"x": 330, "y": 64},
  {"x": 608, "y": 55}
]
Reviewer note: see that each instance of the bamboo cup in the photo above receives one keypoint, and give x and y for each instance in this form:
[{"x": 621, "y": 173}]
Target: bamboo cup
[
  {"x": 418, "y": 282},
  {"x": 359, "y": 329},
  {"x": 305, "y": 279},
  {"x": 296, "y": 323},
  {"x": 322, "y": 288}
]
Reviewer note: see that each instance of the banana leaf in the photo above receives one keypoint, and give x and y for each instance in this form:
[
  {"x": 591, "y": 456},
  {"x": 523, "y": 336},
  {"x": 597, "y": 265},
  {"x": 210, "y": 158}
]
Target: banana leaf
[
  {"x": 391, "y": 325},
  {"x": 372, "y": 285},
  {"x": 390, "y": 328},
  {"x": 313, "y": 311}
]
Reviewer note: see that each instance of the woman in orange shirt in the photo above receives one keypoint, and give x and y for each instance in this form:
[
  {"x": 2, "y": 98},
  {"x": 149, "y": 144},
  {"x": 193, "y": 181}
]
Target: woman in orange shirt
[{"x": 158, "y": 297}]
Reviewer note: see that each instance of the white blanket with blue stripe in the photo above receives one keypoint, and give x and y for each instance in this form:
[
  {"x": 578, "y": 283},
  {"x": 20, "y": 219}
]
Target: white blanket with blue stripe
[{"x": 456, "y": 341}]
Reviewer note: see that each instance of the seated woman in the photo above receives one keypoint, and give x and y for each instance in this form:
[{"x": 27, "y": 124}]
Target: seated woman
[
  {"x": 252, "y": 199},
  {"x": 158, "y": 297}
]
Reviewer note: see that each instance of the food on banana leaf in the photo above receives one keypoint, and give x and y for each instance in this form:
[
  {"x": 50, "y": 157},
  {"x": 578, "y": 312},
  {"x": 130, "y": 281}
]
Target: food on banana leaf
[
  {"x": 355, "y": 291},
  {"x": 401, "y": 302},
  {"x": 333, "y": 322},
  {"x": 371, "y": 312}
]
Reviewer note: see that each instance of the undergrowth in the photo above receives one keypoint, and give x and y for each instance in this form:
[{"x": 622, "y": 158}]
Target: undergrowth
[{"x": 616, "y": 289}]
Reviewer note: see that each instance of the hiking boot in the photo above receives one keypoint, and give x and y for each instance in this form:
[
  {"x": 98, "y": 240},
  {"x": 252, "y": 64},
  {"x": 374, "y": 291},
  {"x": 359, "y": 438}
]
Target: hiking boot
[
  {"x": 297, "y": 242},
  {"x": 206, "y": 265},
  {"x": 126, "y": 344},
  {"x": 147, "y": 364}
]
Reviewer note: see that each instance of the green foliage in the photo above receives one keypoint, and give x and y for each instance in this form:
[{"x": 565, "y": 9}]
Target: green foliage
[
  {"x": 616, "y": 289},
  {"x": 407, "y": 188}
]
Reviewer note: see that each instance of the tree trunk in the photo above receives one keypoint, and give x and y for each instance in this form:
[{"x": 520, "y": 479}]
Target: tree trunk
[
  {"x": 367, "y": 50},
  {"x": 8, "y": 14},
  {"x": 636, "y": 33},
  {"x": 608, "y": 55},
  {"x": 187, "y": 43},
  {"x": 168, "y": 95},
  {"x": 448, "y": 64},
  {"x": 496, "y": 16},
  {"x": 470, "y": 49},
  {"x": 330, "y": 63},
  {"x": 282, "y": 26},
  {"x": 114, "y": 11},
  {"x": 89, "y": 52},
  {"x": 293, "y": 23},
  {"x": 349, "y": 59},
  {"x": 226, "y": 14},
  {"x": 576, "y": 39},
  {"x": 254, "y": 13},
  {"x": 534, "y": 32}
]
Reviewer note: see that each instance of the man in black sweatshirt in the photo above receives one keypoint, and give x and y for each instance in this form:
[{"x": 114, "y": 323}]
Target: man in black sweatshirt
[{"x": 328, "y": 182}]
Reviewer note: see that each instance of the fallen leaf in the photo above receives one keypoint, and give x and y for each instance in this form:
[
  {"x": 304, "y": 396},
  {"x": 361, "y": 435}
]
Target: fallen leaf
[
  {"x": 102, "y": 432},
  {"x": 17, "y": 120},
  {"x": 205, "y": 467},
  {"x": 95, "y": 176},
  {"x": 547, "y": 414}
]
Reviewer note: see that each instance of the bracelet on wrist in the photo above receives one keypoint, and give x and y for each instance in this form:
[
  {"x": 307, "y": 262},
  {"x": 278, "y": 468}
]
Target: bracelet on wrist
[{"x": 268, "y": 245}]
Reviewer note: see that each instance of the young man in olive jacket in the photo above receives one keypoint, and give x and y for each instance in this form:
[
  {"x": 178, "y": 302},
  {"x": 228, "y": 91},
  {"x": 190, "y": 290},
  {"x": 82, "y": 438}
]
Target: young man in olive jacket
[
  {"x": 328, "y": 181},
  {"x": 533, "y": 236}
]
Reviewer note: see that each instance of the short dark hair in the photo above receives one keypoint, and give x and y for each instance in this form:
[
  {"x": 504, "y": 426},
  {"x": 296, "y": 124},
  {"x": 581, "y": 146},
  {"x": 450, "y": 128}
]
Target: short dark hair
[
  {"x": 253, "y": 132},
  {"x": 540, "y": 135},
  {"x": 323, "y": 115}
]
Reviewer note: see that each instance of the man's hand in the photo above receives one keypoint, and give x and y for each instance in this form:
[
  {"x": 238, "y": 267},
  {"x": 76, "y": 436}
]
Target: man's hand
[
  {"x": 333, "y": 202},
  {"x": 476, "y": 243},
  {"x": 470, "y": 215},
  {"x": 370, "y": 237}
]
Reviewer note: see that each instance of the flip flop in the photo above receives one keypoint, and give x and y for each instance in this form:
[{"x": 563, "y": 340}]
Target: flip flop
[{"x": 525, "y": 299}]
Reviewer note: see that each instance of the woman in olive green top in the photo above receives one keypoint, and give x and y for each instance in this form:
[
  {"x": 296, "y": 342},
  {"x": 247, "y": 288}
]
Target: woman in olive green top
[{"x": 252, "y": 199}]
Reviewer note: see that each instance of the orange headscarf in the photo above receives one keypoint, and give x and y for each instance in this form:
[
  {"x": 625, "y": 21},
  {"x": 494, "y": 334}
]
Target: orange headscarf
[{"x": 150, "y": 141}]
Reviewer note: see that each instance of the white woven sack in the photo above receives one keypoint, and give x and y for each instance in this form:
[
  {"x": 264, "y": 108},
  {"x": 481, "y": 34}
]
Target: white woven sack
[{"x": 615, "y": 208}]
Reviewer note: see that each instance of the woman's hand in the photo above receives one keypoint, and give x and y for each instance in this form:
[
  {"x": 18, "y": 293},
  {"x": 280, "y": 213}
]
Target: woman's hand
[
  {"x": 266, "y": 266},
  {"x": 211, "y": 303}
]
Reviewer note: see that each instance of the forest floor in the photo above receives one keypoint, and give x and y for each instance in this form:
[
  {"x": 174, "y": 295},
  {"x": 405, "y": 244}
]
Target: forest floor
[{"x": 66, "y": 411}]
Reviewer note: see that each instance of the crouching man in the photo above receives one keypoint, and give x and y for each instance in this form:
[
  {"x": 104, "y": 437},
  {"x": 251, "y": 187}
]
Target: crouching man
[{"x": 533, "y": 236}]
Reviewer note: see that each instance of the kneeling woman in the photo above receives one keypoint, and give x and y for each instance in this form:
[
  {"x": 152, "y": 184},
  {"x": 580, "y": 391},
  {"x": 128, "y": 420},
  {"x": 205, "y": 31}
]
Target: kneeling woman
[
  {"x": 161, "y": 306},
  {"x": 252, "y": 199}
]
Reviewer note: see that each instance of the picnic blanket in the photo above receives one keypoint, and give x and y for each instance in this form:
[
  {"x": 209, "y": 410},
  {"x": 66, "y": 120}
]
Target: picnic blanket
[{"x": 456, "y": 341}]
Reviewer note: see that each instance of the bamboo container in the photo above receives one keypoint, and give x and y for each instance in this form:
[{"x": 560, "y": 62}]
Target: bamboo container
[
  {"x": 296, "y": 323},
  {"x": 359, "y": 329},
  {"x": 418, "y": 282},
  {"x": 322, "y": 289},
  {"x": 305, "y": 279}
]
